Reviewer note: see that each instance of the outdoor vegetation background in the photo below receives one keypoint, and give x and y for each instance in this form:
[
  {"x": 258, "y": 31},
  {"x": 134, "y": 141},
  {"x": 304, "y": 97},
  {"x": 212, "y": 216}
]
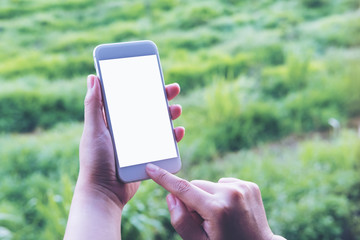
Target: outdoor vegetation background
[{"x": 260, "y": 81}]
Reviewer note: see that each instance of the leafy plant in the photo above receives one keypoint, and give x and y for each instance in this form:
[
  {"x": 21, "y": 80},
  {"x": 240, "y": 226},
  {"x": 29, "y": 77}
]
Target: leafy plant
[{"x": 253, "y": 102}]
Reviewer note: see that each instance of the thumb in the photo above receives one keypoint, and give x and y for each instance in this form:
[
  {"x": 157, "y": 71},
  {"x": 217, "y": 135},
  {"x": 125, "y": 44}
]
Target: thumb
[
  {"x": 93, "y": 116},
  {"x": 182, "y": 220}
]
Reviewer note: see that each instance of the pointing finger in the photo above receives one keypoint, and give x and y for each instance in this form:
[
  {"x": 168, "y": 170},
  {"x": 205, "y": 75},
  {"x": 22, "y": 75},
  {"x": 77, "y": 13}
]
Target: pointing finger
[{"x": 188, "y": 193}]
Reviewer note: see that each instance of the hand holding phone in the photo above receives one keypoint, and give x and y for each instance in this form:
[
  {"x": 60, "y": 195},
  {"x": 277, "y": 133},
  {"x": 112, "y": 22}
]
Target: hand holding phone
[
  {"x": 97, "y": 189},
  {"x": 133, "y": 87}
]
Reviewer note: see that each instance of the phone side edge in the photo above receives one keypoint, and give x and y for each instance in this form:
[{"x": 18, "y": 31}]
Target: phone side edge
[{"x": 107, "y": 115}]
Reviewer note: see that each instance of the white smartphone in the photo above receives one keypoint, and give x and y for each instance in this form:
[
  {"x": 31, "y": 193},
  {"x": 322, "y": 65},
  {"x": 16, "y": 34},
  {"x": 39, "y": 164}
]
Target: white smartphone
[{"x": 136, "y": 108}]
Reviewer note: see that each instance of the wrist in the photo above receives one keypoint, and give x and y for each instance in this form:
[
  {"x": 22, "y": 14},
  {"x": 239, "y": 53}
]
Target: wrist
[
  {"x": 93, "y": 215},
  {"x": 93, "y": 192}
]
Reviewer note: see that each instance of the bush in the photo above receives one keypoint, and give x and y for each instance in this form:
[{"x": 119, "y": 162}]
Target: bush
[
  {"x": 328, "y": 213},
  {"x": 37, "y": 178},
  {"x": 310, "y": 110},
  {"x": 189, "y": 77},
  {"x": 222, "y": 117},
  {"x": 349, "y": 86},
  {"x": 343, "y": 35},
  {"x": 24, "y": 110},
  {"x": 147, "y": 219},
  {"x": 258, "y": 122},
  {"x": 280, "y": 19},
  {"x": 187, "y": 42},
  {"x": 37, "y": 185},
  {"x": 314, "y": 3},
  {"x": 338, "y": 31},
  {"x": 51, "y": 66},
  {"x": 164, "y": 5},
  {"x": 274, "y": 82},
  {"x": 199, "y": 74},
  {"x": 75, "y": 43},
  {"x": 305, "y": 185},
  {"x": 279, "y": 81},
  {"x": 270, "y": 55},
  {"x": 310, "y": 190},
  {"x": 198, "y": 16},
  {"x": 133, "y": 11},
  {"x": 227, "y": 125}
]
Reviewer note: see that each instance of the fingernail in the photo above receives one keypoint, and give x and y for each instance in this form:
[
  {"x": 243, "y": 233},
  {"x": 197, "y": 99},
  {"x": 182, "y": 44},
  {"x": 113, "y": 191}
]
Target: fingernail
[
  {"x": 176, "y": 84},
  {"x": 90, "y": 82},
  {"x": 171, "y": 201},
  {"x": 152, "y": 168}
]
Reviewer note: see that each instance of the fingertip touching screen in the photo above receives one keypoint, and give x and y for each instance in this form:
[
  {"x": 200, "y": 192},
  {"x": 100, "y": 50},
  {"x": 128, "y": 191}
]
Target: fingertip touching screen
[{"x": 137, "y": 109}]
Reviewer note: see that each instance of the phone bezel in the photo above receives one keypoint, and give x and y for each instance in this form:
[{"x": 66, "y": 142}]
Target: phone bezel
[{"x": 126, "y": 50}]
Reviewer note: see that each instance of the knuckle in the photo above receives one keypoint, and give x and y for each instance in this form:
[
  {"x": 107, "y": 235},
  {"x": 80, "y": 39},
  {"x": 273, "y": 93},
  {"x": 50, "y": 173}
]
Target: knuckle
[
  {"x": 221, "y": 180},
  {"x": 254, "y": 187},
  {"x": 182, "y": 186},
  {"x": 249, "y": 187},
  {"x": 235, "y": 195},
  {"x": 87, "y": 100},
  {"x": 221, "y": 210},
  {"x": 91, "y": 99},
  {"x": 243, "y": 187},
  {"x": 162, "y": 176},
  {"x": 255, "y": 190}
]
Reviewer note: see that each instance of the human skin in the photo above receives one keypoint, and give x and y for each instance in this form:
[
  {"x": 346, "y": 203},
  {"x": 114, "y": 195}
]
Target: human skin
[
  {"x": 229, "y": 209},
  {"x": 99, "y": 197}
]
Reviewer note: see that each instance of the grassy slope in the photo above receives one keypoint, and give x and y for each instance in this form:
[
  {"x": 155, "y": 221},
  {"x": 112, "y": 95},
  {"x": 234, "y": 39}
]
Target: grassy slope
[{"x": 238, "y": 68}]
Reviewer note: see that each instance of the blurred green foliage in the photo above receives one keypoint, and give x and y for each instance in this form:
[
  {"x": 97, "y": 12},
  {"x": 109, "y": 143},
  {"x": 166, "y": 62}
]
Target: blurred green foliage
[
  {"x": 26, "y": 104},
  {"x": 259, "y": 79},
  {"x": 305, "y": 186}
]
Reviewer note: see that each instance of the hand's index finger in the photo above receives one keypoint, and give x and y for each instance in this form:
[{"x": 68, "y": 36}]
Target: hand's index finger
[{"x": 188, "y": 193}]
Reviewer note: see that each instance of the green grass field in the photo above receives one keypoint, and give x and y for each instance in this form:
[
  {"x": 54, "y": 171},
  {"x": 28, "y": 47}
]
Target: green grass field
[{"x": 260, "y": 80}]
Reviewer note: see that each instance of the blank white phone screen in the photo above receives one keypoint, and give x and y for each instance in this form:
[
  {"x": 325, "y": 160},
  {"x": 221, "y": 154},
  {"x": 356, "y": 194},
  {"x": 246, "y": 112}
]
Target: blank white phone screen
[{"x": 138, "y": 110}]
